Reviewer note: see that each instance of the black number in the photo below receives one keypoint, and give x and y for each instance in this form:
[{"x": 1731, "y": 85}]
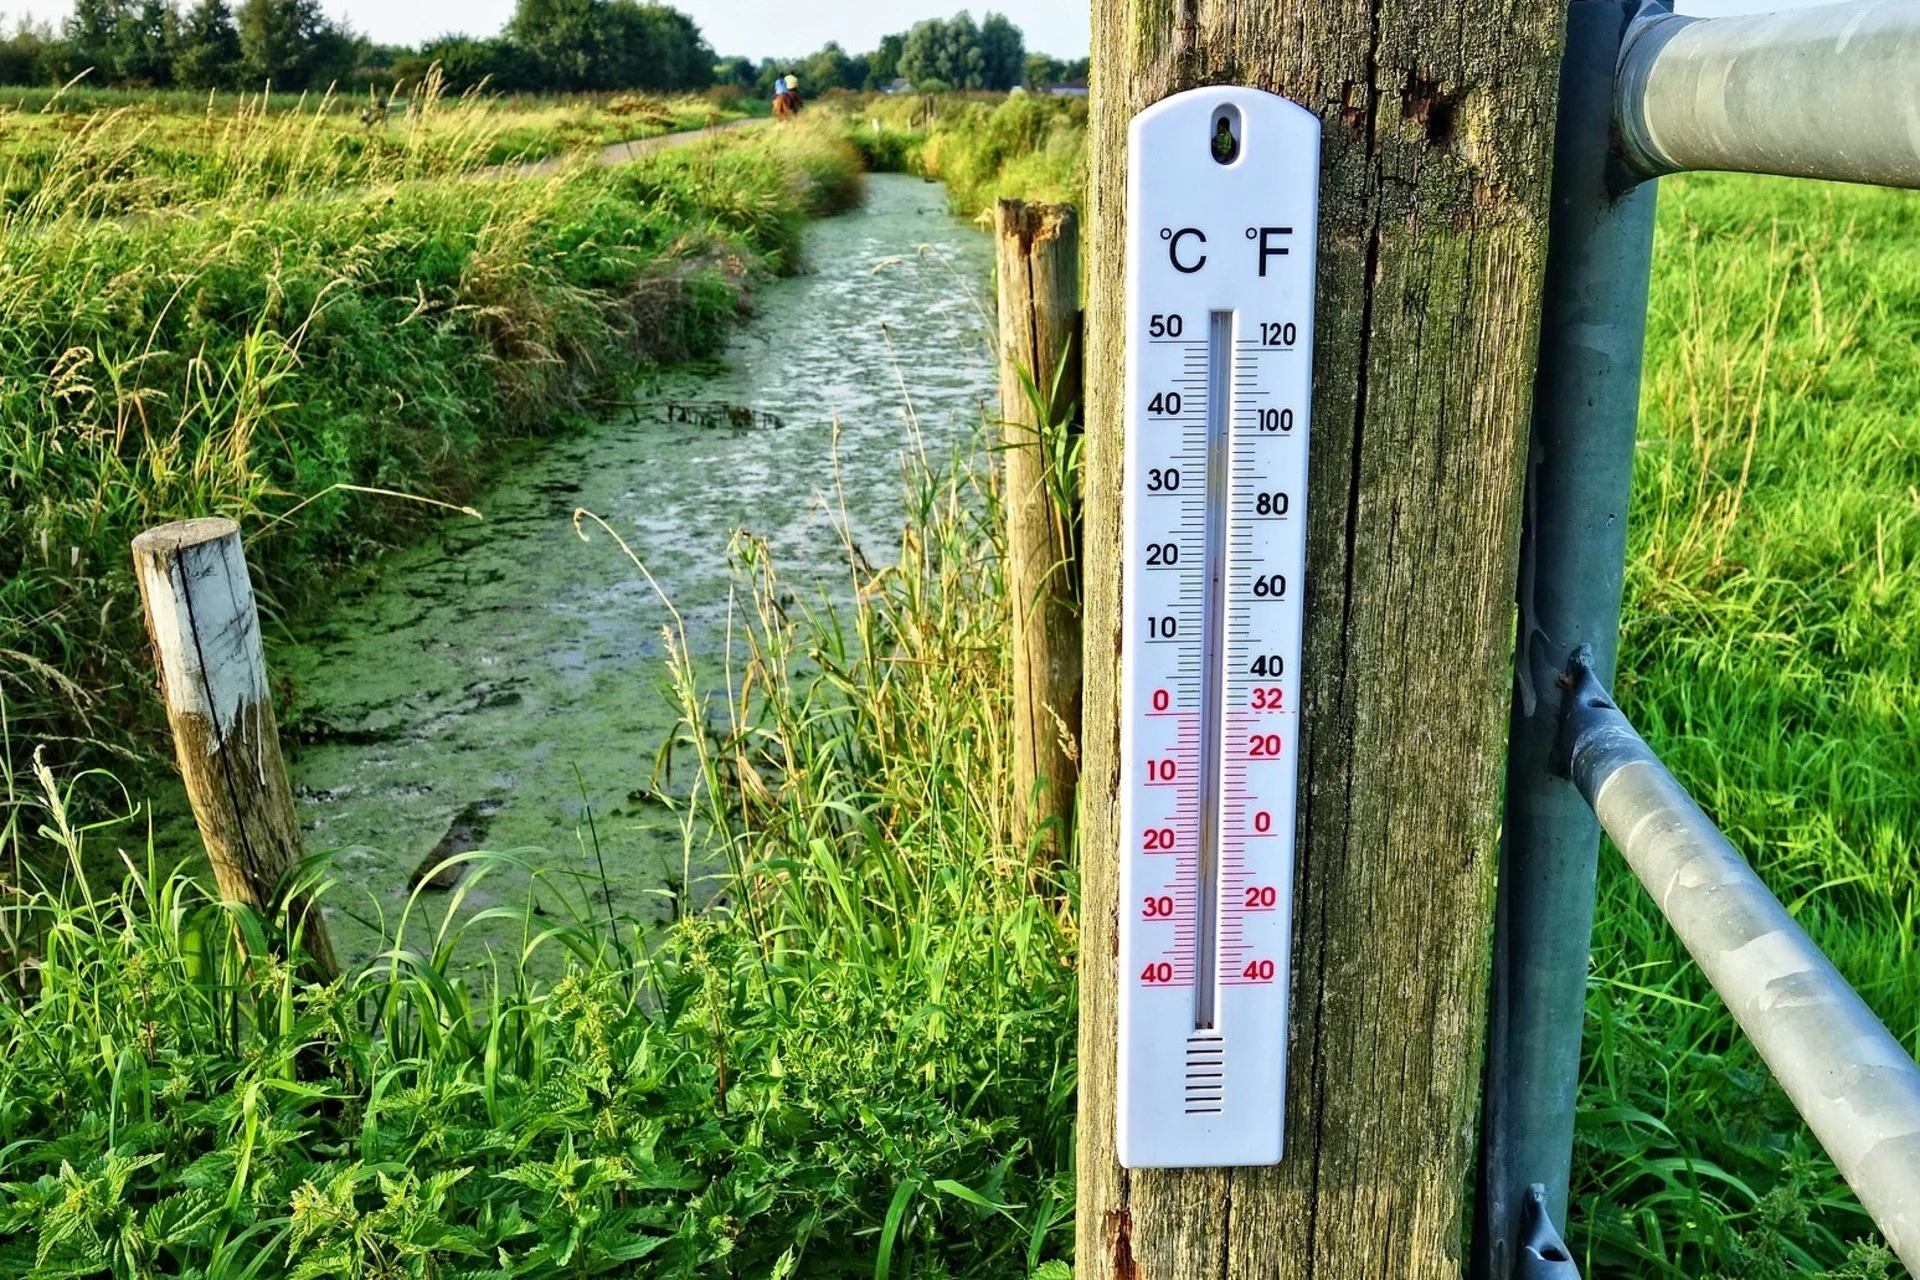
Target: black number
[
  {"x": 1164, "y": 326},
  {"x": 1162, "y": 554},
  {"x": 1278, "y": 335},
  {"x": 1271, "y": 587},
  {"x": 1276, "y": 419},
  {"x": 1163, "y": 628},
  {"x": 1269, "y": 665},
  {"x": 1270, "y": 504},
  {"x": 1159, "y": 481},
  {"x": 1165, "y": 405}
]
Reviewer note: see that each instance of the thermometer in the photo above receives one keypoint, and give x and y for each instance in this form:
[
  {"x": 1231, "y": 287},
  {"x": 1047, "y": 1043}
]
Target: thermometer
[{"x": 1222, "y": 207}]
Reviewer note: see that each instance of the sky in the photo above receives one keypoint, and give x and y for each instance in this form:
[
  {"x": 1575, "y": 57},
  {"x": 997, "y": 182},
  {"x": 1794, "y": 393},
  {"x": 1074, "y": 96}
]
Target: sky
[{"x": 765, "y": 28}]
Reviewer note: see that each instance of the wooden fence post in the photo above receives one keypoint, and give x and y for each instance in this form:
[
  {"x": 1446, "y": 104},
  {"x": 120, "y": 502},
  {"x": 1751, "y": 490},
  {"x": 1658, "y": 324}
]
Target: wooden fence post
[
  {"x": 213, "y": 675},
  {"x": 1039, "y": 295},
  {"x": 1438, "y": 126}
]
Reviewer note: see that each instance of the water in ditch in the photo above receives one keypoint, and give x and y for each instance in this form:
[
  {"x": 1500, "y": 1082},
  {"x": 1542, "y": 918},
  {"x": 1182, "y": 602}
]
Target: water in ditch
[{"x": 504, "y": 680}]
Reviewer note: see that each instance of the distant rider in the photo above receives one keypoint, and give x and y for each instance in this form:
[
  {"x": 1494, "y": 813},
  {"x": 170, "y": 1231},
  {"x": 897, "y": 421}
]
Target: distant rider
[{"x": 786, "y": 97}]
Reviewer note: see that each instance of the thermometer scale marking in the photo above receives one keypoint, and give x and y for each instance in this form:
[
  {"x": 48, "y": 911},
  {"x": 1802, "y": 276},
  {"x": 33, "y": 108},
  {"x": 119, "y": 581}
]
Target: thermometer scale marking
[{"x": 1218, "y": 381}]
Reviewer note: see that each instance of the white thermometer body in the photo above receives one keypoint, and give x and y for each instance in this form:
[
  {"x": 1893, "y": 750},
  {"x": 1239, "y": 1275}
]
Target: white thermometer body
[{"x": 1222, "y": 211}]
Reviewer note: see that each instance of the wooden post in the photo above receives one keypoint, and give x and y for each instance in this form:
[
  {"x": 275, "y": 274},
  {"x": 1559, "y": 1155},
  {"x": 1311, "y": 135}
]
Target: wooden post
[
  {"x": 1438, "y": 120},
  {"x": 213, "y": 675},
  {"x": 1039, "y": 259}
]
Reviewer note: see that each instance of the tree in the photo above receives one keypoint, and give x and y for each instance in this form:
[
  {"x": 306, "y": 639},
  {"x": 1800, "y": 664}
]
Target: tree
[
  {"x": 991, "y": 55},
  {"x": 831, "y": 68},
  {"x": 738, "y": 71},
  {"x": 1041, "y": 72},
  {"x": 610, "y": 44},
  {"x": 561, "y": 39},
  {"x": 148, "y": 46},
  {"x": 207, "y": 54},
  {"x": 98, "y": 33},
  {"x": 1432, "y": 241},
  {"x": 883, "y": 64},
  {"x": 1004, "y": 52},
  {"x": 948, "y": 51},
  {"x": 466, "y": 62},
  {"x": 650, "y": 46},
  {"x": 33, "y": 55},
  {"x": 291, "y": 44}
]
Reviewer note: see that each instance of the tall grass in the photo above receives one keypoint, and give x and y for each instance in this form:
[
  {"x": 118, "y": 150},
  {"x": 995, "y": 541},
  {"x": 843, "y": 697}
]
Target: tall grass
[
  {"x": 1027, "y": 146},
  {"x": 270, "y": 358},
  {"x": 130, "y": 153},
  {"x": 858, "y": 1063}
]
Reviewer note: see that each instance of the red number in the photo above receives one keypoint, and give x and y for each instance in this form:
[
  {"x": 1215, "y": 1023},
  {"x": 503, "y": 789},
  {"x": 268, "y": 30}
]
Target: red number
[
  {"x": 1159, "y": 839},
  {"x": 1258, "y": 971},
  {"x": 1160, "y": 700},
  {"x": 1268, "y": 697},
  {"x": 1266, "y": 746},
  {"x": 1161, "y": 972},
  {"x": 1158, "y": 908},
  {"x": 1160, "y": 770},
  {"x": 1261, "y": 897},
  {"x": 1263, "y": 822}
]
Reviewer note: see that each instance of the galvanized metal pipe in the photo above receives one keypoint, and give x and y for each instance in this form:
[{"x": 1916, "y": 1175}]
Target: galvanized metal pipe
[
  {"x": 1573, "y": 549},
  {"x": 1852, "y": 1082},
  {"x": 1829, "y": 92}
]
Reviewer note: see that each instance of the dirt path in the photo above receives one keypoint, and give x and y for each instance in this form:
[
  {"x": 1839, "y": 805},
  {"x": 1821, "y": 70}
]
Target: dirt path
[{"x": 621, "y": 152}]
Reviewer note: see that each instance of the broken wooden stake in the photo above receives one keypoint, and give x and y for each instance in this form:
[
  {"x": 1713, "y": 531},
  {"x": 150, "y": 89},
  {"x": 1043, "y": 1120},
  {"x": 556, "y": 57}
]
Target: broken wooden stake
[{"x": 213, "y": 675}]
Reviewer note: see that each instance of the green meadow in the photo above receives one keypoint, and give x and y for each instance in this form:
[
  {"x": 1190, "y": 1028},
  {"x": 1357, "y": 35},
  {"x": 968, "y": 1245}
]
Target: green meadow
[{"x": 859, "y": 1061}]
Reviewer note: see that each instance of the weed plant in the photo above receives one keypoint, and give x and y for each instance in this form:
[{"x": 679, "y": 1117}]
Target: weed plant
[
  {"x": 270, "y": 359},
  {"x": 857, "y": 1063}
]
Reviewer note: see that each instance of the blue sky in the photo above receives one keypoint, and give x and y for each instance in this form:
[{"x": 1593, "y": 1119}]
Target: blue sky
[{"x": 764, "y": 28}]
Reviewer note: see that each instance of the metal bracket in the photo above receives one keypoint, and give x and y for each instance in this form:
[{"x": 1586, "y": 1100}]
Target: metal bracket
[{"x": 1543, "y": 1254}]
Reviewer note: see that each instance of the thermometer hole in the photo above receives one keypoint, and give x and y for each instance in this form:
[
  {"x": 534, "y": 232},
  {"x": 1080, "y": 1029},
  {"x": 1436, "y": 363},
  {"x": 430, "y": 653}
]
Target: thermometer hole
[{"x": 1223, "y": 138}]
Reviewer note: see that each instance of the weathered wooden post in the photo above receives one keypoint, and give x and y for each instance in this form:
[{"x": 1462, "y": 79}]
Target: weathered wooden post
[
  {"x": 1438, "y": 126},
  {"x": 1039, "y": 261},
  {"x": 213, "y": 675}
]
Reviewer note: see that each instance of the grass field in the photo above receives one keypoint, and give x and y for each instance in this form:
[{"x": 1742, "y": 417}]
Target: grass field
[
  {"x": 861, "y": 1062},
  {"x": 1772, "y": 597},
  {"x": 120, "y": 153}
]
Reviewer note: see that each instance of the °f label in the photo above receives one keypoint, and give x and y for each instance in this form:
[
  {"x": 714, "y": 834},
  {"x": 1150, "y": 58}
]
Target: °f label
[{"x": 1222, "y": 206}]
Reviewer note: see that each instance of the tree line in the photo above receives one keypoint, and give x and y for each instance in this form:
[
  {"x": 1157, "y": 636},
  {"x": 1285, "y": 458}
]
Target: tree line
[
  {"x": 933, "y": 56},
  {"x": 546, "y": 46}
]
